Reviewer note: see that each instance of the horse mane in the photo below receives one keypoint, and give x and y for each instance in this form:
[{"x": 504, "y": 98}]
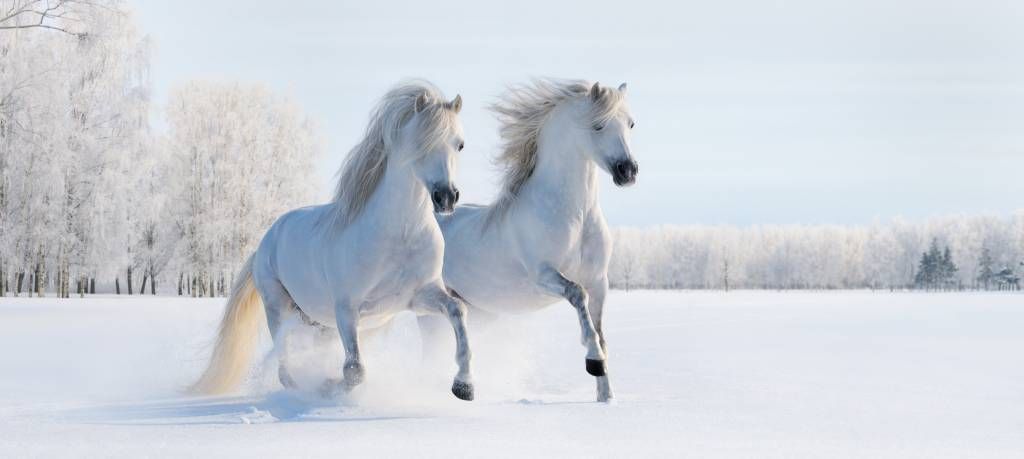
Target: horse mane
[
  {"x": 523, "y": 111},
  {"x": 364, "y": 167}
]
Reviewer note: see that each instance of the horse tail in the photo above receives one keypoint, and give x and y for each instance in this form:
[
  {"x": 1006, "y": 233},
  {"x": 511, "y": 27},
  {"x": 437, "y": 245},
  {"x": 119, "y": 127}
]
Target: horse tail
[{"x": 236, "y": 338}]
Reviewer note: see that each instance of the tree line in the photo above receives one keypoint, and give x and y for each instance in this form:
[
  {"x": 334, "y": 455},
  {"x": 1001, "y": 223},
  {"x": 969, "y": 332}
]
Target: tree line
[
  {"x": 91, "y": 194},
  {"x": 959, "y": 252}
]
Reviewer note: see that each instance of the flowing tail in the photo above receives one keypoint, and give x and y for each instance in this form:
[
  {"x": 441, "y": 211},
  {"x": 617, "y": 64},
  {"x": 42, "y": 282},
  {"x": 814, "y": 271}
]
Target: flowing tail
[{"x": 236, "y": 339}]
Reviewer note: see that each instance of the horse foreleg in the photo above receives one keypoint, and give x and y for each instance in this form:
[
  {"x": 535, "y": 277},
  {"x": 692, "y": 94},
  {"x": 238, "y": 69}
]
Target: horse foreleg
[
  {"x": 598, "y": 292},
  {"x": 553, "y": 282},
  {"x": 435, "y": 298},
  {"x": 347, "y": 317}
]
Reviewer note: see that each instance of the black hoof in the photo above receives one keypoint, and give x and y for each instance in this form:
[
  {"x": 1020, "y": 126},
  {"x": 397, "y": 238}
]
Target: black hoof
[
  {"x": 463, "y": 390},
  {"x": 595, "y": 367}
]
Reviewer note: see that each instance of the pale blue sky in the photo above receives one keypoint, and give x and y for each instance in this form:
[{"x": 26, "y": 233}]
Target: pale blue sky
[{"x": 748, "y": 111}]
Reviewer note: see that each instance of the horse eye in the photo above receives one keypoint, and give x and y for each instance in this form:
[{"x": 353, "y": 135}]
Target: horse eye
[
  {"x": 598, "y": 127},
  {"x": 631, "y": 124},
  {"x": 462, "y": 145}
]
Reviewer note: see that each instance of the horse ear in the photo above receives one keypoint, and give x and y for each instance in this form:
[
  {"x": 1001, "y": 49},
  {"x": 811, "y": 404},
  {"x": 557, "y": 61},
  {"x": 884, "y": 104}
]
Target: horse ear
[
  {"x": 421, "y": 102},
  {"x": 622, "y": 87},
  {"x": 595, "y": 91},
  {"x": 456, "y": 103}
]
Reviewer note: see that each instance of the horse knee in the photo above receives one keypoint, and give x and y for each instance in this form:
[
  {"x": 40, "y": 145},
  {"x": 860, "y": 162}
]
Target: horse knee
[
  {"x": 455, "y": 309},
  {"x": 576, "y": 295}
]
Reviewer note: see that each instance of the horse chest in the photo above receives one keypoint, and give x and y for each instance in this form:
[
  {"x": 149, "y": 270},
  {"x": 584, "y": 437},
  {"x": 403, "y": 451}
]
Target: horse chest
[
  {"x": 586, "y": 253},
  {"x": 415, "y": 260}
]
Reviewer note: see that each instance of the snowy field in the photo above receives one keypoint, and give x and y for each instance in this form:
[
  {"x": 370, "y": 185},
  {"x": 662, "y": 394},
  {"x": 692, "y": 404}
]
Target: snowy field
[{"x": 696, "y": 374}]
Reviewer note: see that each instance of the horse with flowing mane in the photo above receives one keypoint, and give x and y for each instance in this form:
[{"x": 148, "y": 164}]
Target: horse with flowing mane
[
  {"x": 545, "y": 238},
  {"x": 373, "y": 252}
]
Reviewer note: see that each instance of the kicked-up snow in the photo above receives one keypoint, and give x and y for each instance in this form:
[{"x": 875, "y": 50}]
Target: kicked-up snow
[{"x": 695, "y": 374}]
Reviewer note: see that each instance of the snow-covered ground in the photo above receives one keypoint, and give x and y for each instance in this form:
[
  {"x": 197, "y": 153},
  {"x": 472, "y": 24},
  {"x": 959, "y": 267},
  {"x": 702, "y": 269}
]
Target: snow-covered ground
[{"x": 698, "y": 374}]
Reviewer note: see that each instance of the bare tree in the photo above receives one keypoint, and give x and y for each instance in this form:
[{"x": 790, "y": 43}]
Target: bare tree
[{"x": 58, "y": 15}]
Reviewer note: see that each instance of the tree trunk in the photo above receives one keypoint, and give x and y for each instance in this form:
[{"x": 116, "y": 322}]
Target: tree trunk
[
  {"x": 129, "y": 280},
  {"x": 21, "y": 279},
  {"x": 180, "y": 277},
  {"x": 142, "y": 286},
  {"x": 66, "y": 275},
  {"x": 152, "y": 285},
  {"x": 117, "y": 285},
  {"x": 92, "y": 285},
  {"x": 39, "y": 279}
]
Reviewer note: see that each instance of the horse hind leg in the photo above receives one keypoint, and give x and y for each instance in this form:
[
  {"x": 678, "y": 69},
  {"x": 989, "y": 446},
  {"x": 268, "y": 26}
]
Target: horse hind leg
[{"x": 280, "y": 308}]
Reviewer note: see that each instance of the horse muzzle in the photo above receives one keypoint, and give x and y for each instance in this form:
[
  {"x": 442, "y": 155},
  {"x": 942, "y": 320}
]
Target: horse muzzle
[
  {"x": 624, "y": 172},
  {"x": 444, "y": 198}
]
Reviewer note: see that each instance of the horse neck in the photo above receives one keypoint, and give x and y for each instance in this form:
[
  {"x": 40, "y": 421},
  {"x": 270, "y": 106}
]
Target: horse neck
[
  {"x": 400, "y": 195},
  {"x": 563, "y": 172}
]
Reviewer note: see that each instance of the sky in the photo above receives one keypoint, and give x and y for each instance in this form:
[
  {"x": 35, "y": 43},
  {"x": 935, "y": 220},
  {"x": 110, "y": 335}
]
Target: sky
[{"x": 748, "y": 112}]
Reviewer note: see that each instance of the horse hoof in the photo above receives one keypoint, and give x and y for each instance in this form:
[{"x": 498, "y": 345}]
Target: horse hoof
[
  {"x": 353, "y": 373},
  {"x": 286, "y": 379},
  {"x": 604, "y": 390},
  {"x": 595, "y": 367},
  {"x": 463, "y": 390}
]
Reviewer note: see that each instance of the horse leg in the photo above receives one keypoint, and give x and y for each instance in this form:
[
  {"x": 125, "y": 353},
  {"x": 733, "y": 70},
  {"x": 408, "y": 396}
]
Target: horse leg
[
  {"x": 347, "y": 317},
  {"x": 435, "y": 298},
  {"x": 431, "y": 328},
  {"x": 598, "y": 292},
  {"x": 555, "y": 283},
  {"x": 279, "y": 306}
]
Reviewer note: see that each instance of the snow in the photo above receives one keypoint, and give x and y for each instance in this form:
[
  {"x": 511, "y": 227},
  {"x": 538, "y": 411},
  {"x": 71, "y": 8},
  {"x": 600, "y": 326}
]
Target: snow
[{"x": 696, "y": 374}]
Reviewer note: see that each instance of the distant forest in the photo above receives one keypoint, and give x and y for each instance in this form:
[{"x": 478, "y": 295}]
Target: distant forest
[{"x": 950, "y": 253}]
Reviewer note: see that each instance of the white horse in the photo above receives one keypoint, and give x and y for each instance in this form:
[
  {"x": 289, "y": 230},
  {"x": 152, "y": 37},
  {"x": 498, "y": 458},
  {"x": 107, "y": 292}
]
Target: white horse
[
  {"x": 373, "y": 252},
  {"x": 545, "y": 238}
]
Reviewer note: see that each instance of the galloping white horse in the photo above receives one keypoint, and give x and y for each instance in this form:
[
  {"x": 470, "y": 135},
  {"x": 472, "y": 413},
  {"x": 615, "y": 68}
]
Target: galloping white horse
[
  {"x": 545, "y": 238},
  {"x": 375, "y": 251}
]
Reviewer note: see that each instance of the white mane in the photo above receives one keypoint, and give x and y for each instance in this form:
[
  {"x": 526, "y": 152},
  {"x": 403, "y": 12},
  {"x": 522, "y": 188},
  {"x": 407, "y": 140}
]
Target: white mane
[
  {"x": 366, "y": 163},
  {"x": 523, "y": 110}
]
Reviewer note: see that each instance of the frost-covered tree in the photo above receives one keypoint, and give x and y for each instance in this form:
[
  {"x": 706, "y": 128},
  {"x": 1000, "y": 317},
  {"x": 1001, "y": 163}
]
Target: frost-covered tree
[
  {"x": 72, "y": 84},
  {"x": 63, "y": 16},
  {"x": 876, "y": 256},
  {"x": 88, "y": 190},
  {"x": 985, "y": 268},
  {"x": 241, "y": 156}
]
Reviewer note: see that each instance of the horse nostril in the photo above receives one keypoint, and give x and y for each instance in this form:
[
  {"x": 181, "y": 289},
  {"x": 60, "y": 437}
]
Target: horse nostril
[
  {"x": 623, "y": 168},
  {"x": 437, "y": 196},
  {"x": 456, "y": 195}
]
